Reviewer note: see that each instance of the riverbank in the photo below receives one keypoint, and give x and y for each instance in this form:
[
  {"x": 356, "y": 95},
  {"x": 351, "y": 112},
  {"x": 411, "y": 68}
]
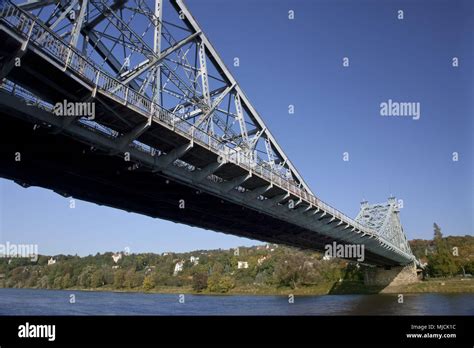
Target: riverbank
[{"x": 454, "y": 285}]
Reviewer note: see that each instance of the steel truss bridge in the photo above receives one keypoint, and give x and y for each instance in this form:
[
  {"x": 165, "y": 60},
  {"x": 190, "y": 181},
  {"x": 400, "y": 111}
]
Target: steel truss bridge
[{"x": 171, "y": 125}]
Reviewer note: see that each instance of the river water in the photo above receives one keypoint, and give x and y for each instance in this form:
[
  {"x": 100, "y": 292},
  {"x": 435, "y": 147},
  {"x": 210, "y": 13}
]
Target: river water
[{"x": 58, "y": 302}]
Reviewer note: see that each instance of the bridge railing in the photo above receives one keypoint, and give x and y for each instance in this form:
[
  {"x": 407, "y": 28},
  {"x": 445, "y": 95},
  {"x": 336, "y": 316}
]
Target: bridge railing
[{"x": 25, "y": 25}]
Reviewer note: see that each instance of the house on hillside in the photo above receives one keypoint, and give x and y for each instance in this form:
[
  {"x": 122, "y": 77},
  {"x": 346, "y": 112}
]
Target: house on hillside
[
  {"x": 194, "y": 260},
  {"x": 116, "y": 257},
  {"x": 242, "y": 264},
  {"x": 51, "y": 261},
  {"x": 178, "y": 267}
]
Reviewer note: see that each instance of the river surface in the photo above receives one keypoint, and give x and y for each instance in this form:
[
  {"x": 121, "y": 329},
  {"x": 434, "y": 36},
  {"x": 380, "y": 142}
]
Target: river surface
[{"x": 57, "y": 302}]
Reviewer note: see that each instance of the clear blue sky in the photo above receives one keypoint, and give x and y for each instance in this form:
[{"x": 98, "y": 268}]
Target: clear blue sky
[{"x": 299, "y": 62}]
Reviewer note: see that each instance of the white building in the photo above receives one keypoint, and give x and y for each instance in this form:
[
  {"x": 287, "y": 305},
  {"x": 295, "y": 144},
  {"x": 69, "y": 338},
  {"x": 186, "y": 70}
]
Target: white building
[
  {"x": 242, "y": 264},
  {"x": 194, "y": 260},
  {"x": 116, "y": 257},
  {"x": 51, "y": 261},
  {"x": 178, "y": 267}
]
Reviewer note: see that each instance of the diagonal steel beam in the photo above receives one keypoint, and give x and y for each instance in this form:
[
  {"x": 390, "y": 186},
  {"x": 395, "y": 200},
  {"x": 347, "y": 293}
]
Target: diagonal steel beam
[
  {"x": 132, "y": 74},
  {"x": 214, "y": 105},
  {"x": 62, "y": 16},
  {"x": 76, "y": 29}
]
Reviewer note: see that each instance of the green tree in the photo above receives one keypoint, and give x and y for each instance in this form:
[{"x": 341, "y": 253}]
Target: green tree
[
  {"x": 441, "y": 262},
  {"x": 289, "y": 271},
  {"x": 66, "y": 281},
  {"x": 97, "y": 279},
  {"x": 57, "y": 283},
  {"x": 437, "y": 232},
  {"x": 119, "y": 279},
  {"x": 85, "y": 277},
  {"x": 133, "y": 279},
  {"x": 200, "y": 281}
]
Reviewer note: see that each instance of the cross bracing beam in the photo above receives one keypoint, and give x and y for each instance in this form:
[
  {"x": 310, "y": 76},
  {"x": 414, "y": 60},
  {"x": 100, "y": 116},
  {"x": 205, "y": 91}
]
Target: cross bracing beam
[
  {"x": 131, "y": 74},
  {"x": 214, "y": 105},
  {"x": 65, "y": 12},
  {"x": 127, "y": 32},
  {"x": 190, "y": 102},
  {"x": 86, "y": 29}
]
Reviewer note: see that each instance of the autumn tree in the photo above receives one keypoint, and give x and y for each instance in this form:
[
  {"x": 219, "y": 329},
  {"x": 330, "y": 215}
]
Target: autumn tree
[{"x": 148, "y": 282}]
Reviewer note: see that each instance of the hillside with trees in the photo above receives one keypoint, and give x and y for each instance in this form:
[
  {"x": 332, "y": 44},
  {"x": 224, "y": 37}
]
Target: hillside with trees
[
  {"x": 260, "y": 269},
  {"x": 216, "y": 271}
]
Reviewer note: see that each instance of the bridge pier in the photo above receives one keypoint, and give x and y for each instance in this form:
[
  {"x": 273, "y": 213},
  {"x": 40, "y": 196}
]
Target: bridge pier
[{"x": 391, "y": 276}]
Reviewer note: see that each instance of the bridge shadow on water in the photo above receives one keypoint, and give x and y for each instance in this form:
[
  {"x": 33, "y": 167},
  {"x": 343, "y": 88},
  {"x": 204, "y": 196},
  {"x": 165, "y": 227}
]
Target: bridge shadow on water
[{"x": 353, "y": 287}]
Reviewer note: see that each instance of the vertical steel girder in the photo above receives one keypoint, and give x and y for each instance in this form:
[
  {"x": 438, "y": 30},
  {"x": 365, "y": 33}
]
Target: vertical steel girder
[{"x": 156, "y": 89}]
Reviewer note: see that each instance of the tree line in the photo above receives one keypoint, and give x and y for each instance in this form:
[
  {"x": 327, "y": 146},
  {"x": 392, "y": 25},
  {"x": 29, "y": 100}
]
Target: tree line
[{"x": 217, "y": 271}]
